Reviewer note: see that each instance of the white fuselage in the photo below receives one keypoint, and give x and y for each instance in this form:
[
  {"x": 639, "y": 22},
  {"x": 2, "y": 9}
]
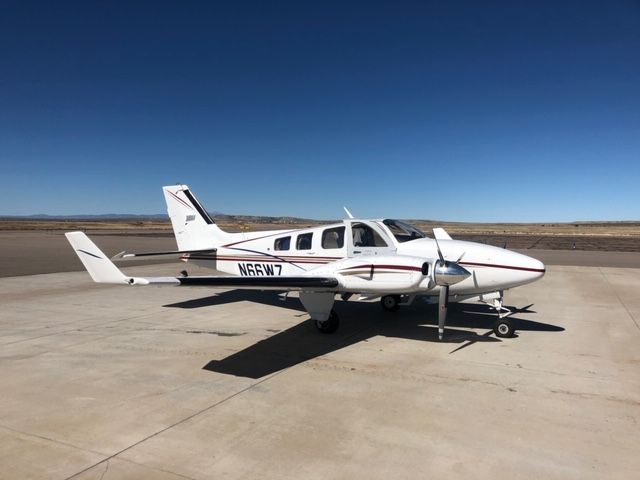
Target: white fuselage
[{"x": 336, "y": 248}]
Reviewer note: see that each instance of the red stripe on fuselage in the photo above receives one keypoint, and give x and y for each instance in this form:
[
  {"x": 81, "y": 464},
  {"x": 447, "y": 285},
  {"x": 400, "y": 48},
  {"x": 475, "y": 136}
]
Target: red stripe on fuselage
[
  {"x": 287, "y": 232},
  {"x": 325, "y": 260},
  {"x": 259, "y": 259},
  {"x": 180, "y": 200},
  {"x": 508, "y": 267}
]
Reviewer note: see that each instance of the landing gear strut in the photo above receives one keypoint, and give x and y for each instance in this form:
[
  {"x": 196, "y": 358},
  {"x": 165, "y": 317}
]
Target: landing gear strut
[
  {"x": 503, "y": 327},
  {"x": 330, "y": 325},
  {"x": 502, "y": 311},
  {"x": 391, "y": 303}
]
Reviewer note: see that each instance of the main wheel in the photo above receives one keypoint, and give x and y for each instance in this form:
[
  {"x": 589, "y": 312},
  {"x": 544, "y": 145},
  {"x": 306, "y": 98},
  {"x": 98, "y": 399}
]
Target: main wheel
[
  {"x": 504, "y": 328},
  {"x": 330, "y": 325},
  {"x": 391, "y": 303}
]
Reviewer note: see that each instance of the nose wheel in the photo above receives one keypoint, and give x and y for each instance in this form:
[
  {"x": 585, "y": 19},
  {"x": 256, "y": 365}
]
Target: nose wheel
[{"x": 504, "y": 328}]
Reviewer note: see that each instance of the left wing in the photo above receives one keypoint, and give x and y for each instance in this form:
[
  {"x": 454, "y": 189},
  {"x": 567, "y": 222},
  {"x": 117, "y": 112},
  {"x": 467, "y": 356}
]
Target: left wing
[{"x": 102, "y": 270}]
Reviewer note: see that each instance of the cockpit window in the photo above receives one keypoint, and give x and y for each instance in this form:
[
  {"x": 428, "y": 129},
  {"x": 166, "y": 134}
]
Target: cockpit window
[
  {"x": 365, "y": 236},
  {"x": 403, "y": 231}
]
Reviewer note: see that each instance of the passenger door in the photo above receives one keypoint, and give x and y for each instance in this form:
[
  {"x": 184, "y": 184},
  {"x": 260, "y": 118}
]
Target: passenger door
[{"x": 366, "y": 238}]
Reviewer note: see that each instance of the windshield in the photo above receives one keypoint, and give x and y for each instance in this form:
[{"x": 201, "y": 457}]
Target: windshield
[{"x": 403, "y": 231}]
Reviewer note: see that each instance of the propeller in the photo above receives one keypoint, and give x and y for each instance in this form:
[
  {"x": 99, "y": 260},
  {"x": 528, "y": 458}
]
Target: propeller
[
  {"x": 443, "y": 305},
  {"x": 445, "y": 274}
]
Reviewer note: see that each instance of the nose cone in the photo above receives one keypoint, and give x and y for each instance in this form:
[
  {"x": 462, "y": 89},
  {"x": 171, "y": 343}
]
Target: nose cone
[
  {"x": 537, "y": 268},
  {"x": 525, "y": 269}
]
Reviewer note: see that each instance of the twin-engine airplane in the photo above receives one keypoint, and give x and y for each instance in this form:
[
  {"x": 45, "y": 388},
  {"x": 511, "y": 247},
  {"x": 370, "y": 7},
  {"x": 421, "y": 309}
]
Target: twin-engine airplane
[{"x": 385, "y": 259}]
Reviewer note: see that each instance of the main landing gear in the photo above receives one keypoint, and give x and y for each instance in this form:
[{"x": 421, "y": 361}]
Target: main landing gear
[
  {"x": 330, "y": 325},
  {"x": 391, "y": 303}
]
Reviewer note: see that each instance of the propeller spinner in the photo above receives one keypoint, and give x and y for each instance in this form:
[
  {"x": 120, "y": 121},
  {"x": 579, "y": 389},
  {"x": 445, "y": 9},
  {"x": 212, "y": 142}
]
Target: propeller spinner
[{"x": 445, "y": 274}]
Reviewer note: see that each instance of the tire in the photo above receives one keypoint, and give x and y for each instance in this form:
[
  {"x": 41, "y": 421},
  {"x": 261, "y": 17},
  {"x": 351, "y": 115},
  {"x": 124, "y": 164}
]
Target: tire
[
  {"x": 391, "y": 303},
  {"x": 330, "y": 325},
  {"x": 504, "y": 328}
]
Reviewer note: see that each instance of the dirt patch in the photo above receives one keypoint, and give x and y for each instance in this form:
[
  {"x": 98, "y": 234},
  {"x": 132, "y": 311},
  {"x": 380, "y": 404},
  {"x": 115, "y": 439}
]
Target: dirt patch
[{"x": 599, "y": 243}]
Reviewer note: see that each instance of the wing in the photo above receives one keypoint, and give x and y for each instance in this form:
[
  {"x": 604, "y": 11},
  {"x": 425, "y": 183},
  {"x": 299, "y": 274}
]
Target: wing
[{"x": 102, "y": 270}]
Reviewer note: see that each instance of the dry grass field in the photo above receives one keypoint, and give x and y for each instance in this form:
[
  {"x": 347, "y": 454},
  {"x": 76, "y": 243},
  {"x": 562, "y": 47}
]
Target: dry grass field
[{"x": 596, "y": 236}]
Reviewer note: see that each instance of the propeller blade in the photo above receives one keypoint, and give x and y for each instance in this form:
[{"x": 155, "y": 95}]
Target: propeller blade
[
  {"x": 439, "y": 251},
  {"x": 443, "y": 305}
]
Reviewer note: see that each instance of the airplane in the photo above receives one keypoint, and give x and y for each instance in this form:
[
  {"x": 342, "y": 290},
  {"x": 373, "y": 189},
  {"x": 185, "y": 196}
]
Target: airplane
[{"x": 372, "y": 259}]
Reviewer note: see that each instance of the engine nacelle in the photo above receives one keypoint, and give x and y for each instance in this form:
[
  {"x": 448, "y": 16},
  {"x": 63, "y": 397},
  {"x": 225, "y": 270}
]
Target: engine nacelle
[{"x": 380, "y": 274}]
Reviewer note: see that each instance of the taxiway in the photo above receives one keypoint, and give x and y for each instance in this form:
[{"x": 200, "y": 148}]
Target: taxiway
[{"x": 173, "y": 383}]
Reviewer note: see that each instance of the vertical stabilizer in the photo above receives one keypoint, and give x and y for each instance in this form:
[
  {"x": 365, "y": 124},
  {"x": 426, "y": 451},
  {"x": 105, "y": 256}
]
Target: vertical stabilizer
[{"x": 193, "y": 227}]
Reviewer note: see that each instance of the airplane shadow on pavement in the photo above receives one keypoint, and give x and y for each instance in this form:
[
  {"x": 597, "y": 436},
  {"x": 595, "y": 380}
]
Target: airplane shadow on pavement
[{"x": 359, "y": 321}]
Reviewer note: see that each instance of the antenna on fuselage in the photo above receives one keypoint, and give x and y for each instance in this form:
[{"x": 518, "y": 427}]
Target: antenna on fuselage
[{"x": 348, "y": 212}]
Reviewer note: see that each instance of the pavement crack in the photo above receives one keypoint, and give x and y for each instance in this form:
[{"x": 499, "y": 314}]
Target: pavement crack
[
  {"x": 48, "y": 439},
  {"x": 105, "y": 470},
  {"x": 175, "y": 424}
]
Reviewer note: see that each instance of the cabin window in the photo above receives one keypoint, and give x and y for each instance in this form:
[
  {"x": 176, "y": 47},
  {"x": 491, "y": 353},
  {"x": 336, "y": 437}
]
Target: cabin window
[
  {"x": 365, "y": 236},
  {"x": 333, "y": 238},
  {"x": 304, "y": 241},
  {"x": 282, "y": 243}
]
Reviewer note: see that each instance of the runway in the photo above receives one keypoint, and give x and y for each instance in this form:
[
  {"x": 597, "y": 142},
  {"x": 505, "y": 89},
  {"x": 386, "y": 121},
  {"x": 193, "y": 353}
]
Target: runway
[
  {"x": 173, "y": 383},
  {"x": 35, "y": 252}
]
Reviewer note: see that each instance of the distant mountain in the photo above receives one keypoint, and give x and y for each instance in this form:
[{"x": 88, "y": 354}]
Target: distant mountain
[
  {"x": 105, "y": 216},
  {"x": 159, "y": 216}
]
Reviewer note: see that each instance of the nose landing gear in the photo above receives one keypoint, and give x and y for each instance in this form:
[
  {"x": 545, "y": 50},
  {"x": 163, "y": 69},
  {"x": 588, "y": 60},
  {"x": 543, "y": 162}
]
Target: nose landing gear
[{"x": 503, "y": 327}]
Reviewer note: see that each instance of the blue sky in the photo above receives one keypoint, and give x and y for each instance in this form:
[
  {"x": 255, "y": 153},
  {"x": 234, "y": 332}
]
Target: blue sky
[{"x": 467, "y": 111}]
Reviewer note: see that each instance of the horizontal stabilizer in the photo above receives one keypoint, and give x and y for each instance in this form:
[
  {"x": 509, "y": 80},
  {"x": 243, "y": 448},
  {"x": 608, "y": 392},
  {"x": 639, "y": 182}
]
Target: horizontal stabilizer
[
  {"x": 160, "y": 255},
  {"x": 101, "y": 269}
]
